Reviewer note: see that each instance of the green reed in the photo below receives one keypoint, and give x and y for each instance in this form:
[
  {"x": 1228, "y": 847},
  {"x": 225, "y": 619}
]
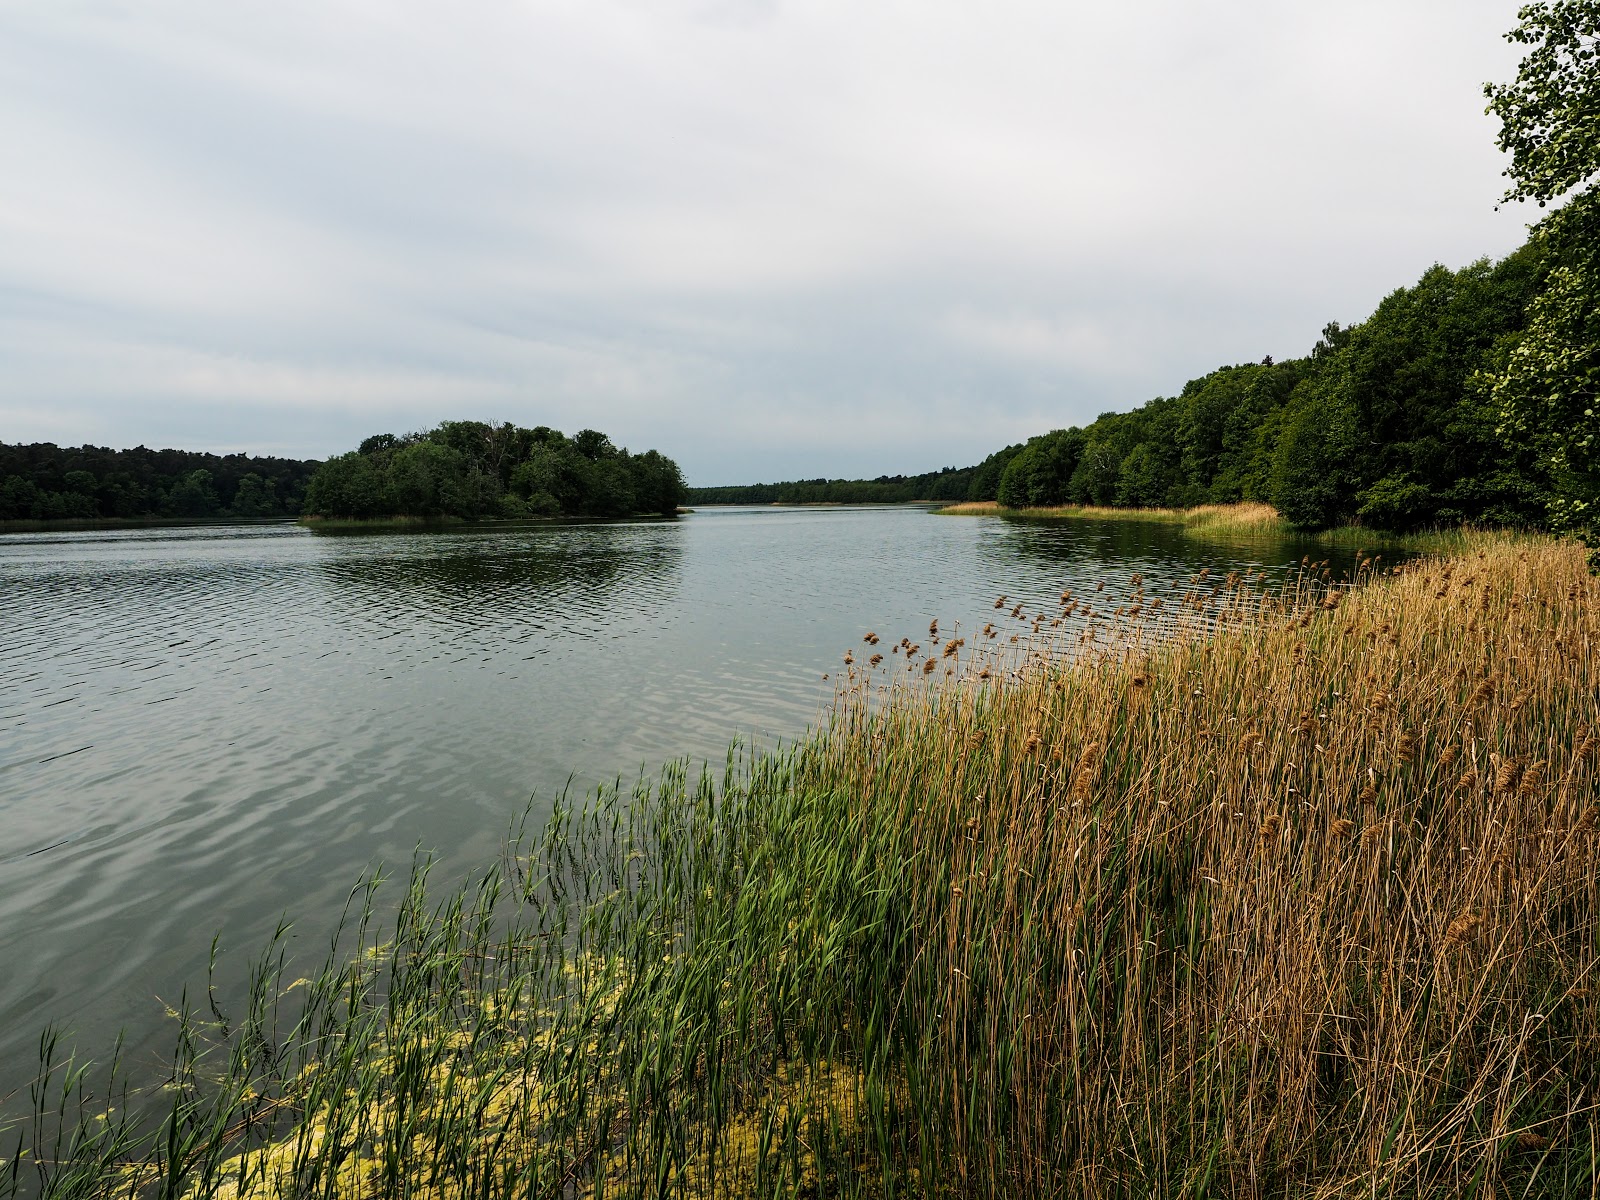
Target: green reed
[{"x": 1297, "y": 899}]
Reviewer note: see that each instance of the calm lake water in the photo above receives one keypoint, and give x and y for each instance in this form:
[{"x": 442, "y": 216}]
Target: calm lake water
[{"x": 203, "y": 730}]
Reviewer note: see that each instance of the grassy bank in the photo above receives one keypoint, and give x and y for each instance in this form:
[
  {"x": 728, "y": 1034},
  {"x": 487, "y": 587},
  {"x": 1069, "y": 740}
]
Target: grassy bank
[
  {"x": 1246, "y": 521},
  {"x": 1300, "y": 900}
]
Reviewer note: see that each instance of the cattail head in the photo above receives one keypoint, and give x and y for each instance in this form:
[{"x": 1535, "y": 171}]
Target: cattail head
[
  {"x": 1461, "y": 928},
  {"x": 1448, "y": 755},
  {"x": 1532, "y": 777},
  {"x": 1405, "y": 748},
  {"x": 1084, "y": 771},
  {"x": 1342, "y": 827},
  {"x": 1507, "y": 774}
]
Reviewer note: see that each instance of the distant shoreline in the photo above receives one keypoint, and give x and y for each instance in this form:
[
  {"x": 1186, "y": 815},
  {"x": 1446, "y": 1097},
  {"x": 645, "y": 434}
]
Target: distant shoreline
[
  {"x": 112, "y": 524},
  {"x": 108, "y": 524}
]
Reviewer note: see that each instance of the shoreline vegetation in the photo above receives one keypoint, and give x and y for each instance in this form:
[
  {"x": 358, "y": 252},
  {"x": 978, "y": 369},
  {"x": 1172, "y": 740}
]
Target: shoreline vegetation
[
  {"x": 1221, "y": 893},
  {"x": 1246, "y": 521}
]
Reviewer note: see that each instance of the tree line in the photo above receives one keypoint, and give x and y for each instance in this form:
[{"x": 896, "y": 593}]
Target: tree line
[
  {"x": 1471, "y": 396},
  {"x": 45, "y": 482},
  {"x": 948, "y": 484},
  {"x": 477, "y": 469},
  {"x": 1392, "y": 423}
]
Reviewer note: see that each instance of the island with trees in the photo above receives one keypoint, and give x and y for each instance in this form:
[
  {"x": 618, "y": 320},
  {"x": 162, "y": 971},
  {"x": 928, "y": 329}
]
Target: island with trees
[{"x": 472, "y": 470}]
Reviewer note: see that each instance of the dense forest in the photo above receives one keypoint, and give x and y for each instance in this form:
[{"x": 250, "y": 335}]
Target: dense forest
[
  {"x": 1402, "y": 421},
  {"x": 475, "y": 469},
  {"x": 45, "y": 482},
  {"x": 1390, "y": 423}
]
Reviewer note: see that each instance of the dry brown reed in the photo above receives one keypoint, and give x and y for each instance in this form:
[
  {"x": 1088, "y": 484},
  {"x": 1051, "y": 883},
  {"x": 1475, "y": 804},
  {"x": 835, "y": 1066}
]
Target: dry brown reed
[{"x": 1169, "y": 972}]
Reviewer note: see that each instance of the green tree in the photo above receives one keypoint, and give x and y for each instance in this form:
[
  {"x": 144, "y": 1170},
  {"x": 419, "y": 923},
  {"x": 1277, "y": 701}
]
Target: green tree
[
  {"x": 82, "y": 482},
  {"x": 608, "y": 490},
  {"x": 1549, "y": 390},
  {"x": 194, "y": 495},
  {"x": 658, "y": 485},
  {"x": 1094, "y": 481},
  {"x": 1309, "y": 481},
  {"x": 1550, "y": 114},
  {"x": 1141, "y": 483},
  {"x": 19, "y": 498},
  {"x": 429, "y": 479},
  {"x": 350, "y": 485},
  {"x": 254, "y": 497}
]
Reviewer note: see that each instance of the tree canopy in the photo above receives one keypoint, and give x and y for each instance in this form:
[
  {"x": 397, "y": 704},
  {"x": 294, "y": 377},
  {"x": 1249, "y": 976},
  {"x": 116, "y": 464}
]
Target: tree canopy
[
  {"x": 475, "y": 469},
  {"x": 1546, "y": 390},
  {"x": 45, "y": 482},
  {"x": 1550, "y": 114}
]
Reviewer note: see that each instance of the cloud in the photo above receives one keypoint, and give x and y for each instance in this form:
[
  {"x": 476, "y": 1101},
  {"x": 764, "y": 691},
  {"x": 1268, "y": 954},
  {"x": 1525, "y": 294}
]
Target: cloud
[{"x": 772, "y": 239}]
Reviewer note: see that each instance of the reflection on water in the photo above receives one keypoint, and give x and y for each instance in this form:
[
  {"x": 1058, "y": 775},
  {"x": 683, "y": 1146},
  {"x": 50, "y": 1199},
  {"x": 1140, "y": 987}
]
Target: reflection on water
[{"x": 203, "y": 729}]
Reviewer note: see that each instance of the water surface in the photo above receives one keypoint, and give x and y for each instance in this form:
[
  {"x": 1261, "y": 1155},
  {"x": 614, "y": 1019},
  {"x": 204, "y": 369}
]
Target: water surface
[{"x": 205, "y": 729}]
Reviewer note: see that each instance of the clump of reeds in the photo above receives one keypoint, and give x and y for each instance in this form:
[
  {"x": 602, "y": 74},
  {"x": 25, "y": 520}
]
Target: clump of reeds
[{"x": 1297, "y": 898}]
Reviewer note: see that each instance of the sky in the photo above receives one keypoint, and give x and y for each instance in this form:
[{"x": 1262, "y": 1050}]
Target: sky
[{"x": 772, "y": 240}]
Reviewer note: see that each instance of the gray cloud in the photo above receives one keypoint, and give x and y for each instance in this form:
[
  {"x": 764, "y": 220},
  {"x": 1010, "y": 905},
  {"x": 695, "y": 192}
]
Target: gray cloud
[{"x": 773, "y": 240}]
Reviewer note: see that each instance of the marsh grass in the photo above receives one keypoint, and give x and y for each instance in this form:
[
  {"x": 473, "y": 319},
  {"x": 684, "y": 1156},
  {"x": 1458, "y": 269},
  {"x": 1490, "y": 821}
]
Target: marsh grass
[
  {"x": 1237, "y": 895},
  {"x": 1251, "y": 521}
]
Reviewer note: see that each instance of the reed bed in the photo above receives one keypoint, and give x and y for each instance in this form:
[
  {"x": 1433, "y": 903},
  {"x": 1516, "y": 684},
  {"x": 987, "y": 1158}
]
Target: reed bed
[
  {"x": 1248, "y": 521},
  {"x": 1295, "y": 896}
]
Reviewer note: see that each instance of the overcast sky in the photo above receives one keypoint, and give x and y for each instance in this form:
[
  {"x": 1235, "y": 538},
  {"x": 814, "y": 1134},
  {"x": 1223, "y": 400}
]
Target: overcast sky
[{"x": 773, "y": 240}]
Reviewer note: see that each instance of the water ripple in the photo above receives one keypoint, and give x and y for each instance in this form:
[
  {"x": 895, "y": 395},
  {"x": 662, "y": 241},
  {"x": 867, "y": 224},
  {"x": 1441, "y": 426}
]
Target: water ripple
[{"x": 208, "y": 728}]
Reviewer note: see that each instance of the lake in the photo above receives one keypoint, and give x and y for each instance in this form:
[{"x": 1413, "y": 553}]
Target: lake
[{"x": 203, "y": 730}]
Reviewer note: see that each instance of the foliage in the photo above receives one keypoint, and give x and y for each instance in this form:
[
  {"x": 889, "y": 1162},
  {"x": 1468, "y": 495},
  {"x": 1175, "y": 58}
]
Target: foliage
[
  {"x": 45, "y": 482},
  {"x": 1547, "y": 389},
  {"x": 474, "y": 469},
  {"x": 1550, "y": 115}
]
